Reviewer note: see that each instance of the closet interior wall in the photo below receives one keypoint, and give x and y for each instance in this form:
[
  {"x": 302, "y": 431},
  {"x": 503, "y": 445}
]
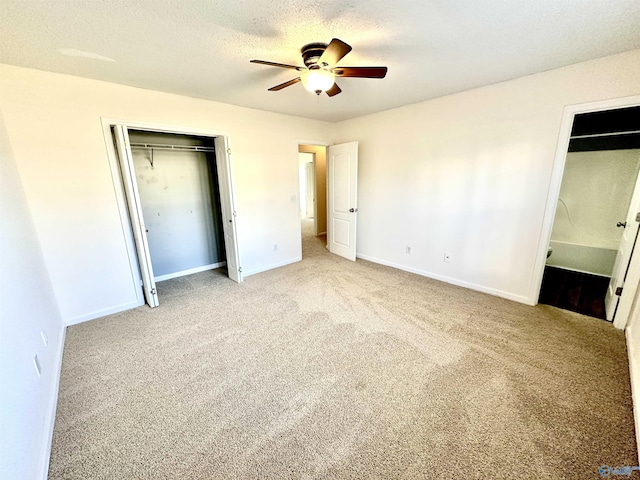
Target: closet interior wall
[{"x": 180, "y": 201}]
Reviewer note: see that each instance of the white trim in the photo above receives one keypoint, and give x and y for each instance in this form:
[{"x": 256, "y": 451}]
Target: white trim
[
  {"x": 189, "y": 271},
  {"x": 272, "y": 266},
  {"x": 50, "y": 422},
  {"x": 635, "y": 387},
  {"x": 472, "y": 286},
  {"x": 164, "y": 128},
  {"x": 314, "y": 143},
  {"x": 103, "y": 313},
  {"x": 555, "y": 181}
]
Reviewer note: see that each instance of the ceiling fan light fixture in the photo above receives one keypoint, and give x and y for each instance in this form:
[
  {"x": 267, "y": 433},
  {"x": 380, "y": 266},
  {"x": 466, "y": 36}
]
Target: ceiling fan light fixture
[
  {"x": 319, "y": 73},
  {"x": 317, "y": 80}
]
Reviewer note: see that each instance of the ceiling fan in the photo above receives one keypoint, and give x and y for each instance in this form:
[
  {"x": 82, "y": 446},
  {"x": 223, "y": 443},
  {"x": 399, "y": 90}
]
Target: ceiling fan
[{"x": 318, "y": 74}]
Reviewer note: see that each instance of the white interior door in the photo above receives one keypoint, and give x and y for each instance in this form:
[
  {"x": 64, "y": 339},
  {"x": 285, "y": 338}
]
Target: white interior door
[
  {"x": 227, "y": 202},
  {"x": 125, "y": 158},
  {"x": 624, "y": 254},
  {"x": 342, "y": 174}
]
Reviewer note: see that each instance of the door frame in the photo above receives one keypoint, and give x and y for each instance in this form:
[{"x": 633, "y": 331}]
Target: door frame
[
  {"x": 553, "y": 194},
  {"x": 121, "y": 199},
  {"x": 310, "y": 143}
]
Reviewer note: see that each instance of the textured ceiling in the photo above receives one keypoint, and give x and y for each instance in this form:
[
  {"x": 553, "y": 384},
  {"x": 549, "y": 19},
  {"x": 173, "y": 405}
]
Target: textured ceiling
[{"x": 202, "y": 48}]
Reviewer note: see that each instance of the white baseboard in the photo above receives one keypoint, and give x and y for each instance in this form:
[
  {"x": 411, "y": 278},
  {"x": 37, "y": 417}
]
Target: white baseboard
[
  {"x": 190, "y": 271},
  {"x": 635, "y": 386},
  {"x": 321, "y": 233},
  {"x": 452, "y": 281},
  {"x": 271, "y": 267},
  {"x": 102, "y": 313},
  {"x": 50, "y": 422}
]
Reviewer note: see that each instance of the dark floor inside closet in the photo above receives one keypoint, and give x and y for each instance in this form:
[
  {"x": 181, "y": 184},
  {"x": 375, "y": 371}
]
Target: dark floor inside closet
[{"x": 579, "y": 292}]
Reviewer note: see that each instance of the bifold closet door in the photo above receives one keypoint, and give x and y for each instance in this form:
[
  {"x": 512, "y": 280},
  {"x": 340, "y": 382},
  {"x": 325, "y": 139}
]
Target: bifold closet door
[
  {"x": 125, "y": 158},
  {"x": 227, "y": 202}
]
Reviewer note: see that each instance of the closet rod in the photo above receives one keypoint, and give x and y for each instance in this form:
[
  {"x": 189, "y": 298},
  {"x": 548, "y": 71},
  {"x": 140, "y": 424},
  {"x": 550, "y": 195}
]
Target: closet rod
[
  {"x": 187, "y": 148},
  {"x": 611, "y": 134}
]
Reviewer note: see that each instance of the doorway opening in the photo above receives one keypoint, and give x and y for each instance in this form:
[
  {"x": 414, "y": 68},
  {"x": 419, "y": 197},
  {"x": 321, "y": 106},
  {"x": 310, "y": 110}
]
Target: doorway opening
[
  {"x": 595, "y": 227},
  {"x": 312, "y": 174},
  {"x": 178, "y": 194},
  {"x": 336, "y": 199}
]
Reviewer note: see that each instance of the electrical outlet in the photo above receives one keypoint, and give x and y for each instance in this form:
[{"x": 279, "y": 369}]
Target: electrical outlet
[
  {"x": 45, "y": 338},
  {"x": 408, "y": 250},
  {"x": 275, "y": 247},
  {"x": 447, "y": 257},
  {"x": 36, "y": 363}
]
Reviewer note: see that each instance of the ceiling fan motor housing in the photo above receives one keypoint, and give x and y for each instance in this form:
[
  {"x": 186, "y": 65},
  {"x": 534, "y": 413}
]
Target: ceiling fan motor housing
[{"x": 312, "y": 52}]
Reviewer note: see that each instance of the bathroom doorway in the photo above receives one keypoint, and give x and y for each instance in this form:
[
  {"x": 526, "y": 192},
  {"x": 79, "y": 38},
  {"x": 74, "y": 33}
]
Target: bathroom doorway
[{"x": 595, "y": 228}]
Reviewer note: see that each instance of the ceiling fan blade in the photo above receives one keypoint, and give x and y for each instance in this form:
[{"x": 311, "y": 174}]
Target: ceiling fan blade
[
  {"x": 362, "y": 72},
  {"x": 335, "y": 51},
  {"x": 273, "y": 64},
  {"x": 334, "y": 90},
  {"x": 284, "y": 85}
]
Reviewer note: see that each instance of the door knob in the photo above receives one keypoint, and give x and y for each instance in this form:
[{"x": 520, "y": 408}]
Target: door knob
[
  {"x": 621, "y": 224},
  {"x": 353, "y": 210}
]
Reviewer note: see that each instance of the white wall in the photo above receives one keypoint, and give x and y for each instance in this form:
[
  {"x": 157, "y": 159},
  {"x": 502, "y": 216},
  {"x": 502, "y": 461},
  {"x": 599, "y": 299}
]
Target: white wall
[
  {"x": 54, "y": 127},
  {"x": 469, "y": 174},
  {"x": 596, "y": 189},
  {"x": 27, "y": 307}
]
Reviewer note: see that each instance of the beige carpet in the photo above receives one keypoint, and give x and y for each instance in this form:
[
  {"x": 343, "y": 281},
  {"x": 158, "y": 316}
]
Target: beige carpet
[{"x": 328, "y": 369}]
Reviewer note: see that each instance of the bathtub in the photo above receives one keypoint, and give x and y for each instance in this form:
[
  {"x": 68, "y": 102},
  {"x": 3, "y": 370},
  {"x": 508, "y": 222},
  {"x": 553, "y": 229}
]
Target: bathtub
[{"x": 581, "y": 258}]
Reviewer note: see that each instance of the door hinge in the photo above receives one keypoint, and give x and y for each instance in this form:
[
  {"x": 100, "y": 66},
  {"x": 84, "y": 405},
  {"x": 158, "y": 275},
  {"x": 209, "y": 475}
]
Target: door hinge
[
  {"x": 240, "y": 269},
  {"x": 228, "y": 151},
  {"x": 638, "y": 217},
  {"x": 619, "y": 291},
  {"x": 153, "y": 291}
]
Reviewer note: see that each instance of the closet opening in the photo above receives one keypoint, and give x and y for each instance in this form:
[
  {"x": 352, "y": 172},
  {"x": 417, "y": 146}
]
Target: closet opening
[
  {"x": 595, "y": 225},
  {"x": 178, "y": 191}
]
